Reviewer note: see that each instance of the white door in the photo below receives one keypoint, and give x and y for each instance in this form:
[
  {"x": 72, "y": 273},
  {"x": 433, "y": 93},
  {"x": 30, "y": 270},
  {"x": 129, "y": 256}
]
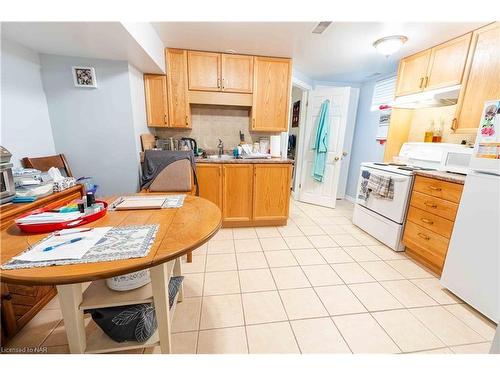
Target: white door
[{"x": 312, "y": 191}]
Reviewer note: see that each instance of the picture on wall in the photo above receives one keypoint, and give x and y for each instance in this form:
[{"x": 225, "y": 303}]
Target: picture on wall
[
  {"x": 84, "y": 76},
  {"x": 296, "y": 114}
]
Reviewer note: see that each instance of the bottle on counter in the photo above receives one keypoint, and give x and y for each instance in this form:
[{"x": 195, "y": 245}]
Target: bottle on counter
[
  {"x": 438, "y": 133},
  {"x": 429, "y": 133}
]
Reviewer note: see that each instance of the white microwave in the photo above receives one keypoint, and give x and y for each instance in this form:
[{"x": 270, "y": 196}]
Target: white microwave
[{"x": 456, "y": 160}]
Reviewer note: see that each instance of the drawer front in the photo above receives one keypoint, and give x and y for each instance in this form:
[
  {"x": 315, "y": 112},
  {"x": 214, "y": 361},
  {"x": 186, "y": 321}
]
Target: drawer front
[
  {"x": 430, "y": 221},
  {"x": 439, "y": 189},
  {"x": 426, "y": 243},
  {"x": 436, "y": 206}
]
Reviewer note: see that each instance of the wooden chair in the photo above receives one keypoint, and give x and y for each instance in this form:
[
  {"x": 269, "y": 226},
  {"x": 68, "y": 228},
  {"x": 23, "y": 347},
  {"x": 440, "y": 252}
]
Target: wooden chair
[
  {"x": 44, "y": 163},
  {"x": 148, "y": 141},
  {"x": 177, "y": 178}
]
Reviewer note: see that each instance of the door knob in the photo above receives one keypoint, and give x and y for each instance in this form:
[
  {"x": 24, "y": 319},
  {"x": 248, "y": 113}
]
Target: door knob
[
  {"x": 345, "y": 153},
  {"x": 337, "y": 158}
]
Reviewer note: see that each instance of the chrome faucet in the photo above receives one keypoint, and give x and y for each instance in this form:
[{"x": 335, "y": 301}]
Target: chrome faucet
[{"x": 220, "y": 146}]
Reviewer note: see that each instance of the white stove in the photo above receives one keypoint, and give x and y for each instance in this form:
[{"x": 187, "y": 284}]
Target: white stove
[{"x": 384, "y": 218}]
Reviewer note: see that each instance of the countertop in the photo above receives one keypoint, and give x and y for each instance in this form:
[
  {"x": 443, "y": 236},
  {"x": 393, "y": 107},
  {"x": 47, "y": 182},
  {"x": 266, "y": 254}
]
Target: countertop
[
  {"x": 445, "y": 176},
  {"x": 245, "y": 161}
]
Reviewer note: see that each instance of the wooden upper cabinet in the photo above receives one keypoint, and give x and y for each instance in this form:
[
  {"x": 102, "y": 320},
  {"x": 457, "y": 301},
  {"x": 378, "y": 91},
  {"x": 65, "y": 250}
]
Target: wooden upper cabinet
[
  {"x": 481, "y": 81},
  {"x": 237, "y": 192},
  {"x": 177, "y": 84},
  {"x": 204, "y": 71},
  {"x": 155, "y": 89},
  {"x": 237, "y": 73},
  {"x": 447, "y": 63},
  {"x": 412, "y": 72},
  {"x": 271, "y": 94},
  {"x": 210, "y": 182},
  {"x": 271, "y": 191}
]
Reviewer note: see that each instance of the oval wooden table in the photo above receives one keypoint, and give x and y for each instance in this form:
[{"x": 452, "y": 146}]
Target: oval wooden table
[{"x": 182, "y": 230}]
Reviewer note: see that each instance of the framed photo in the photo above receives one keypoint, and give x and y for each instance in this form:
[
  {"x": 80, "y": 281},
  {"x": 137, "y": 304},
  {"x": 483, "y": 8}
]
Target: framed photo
[
  {"x": 296, "y": 114},
  {"x": 84, "y": 76}
]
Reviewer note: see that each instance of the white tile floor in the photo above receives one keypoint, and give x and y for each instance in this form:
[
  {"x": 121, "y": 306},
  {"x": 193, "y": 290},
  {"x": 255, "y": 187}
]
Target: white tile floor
[{"x": 317, "y": 285}]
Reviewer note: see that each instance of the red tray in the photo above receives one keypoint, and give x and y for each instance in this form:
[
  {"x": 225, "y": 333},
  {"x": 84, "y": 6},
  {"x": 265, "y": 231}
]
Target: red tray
[{"x": 51, "y": 227}]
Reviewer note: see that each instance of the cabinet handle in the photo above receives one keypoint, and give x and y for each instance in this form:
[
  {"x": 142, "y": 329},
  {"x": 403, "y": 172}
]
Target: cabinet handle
[
  {"x": 187, "y": 122},
  {"x": 223, "y": 85},
  {"x": 426, "y": 81},
  {"x": 427, "y": 221},
  {"x": 424, "y": 236},
  {"x": 434, "y": 188},
  {"x": 165, "y": 119},
  {"x": 454, "y": 124},
  {"x": 253, "y": 123},
  {"x": 421, "y": 82},
  {"x": 431, "y": 205}
]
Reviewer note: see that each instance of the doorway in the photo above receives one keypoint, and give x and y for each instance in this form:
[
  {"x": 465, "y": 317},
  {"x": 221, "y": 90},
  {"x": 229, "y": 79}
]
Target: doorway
[{"x": 342, "y": 113}]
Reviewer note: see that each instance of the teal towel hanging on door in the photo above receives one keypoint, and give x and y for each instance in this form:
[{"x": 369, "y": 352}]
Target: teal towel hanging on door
[{"x": 320, "y": 145}]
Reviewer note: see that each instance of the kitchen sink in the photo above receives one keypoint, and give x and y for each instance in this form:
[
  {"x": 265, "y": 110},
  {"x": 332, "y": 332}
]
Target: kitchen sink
[{"x": 221, "y": 157}]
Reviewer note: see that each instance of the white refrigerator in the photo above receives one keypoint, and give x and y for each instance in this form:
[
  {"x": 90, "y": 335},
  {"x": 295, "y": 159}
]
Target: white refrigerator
[{"x": 471, "y": 270}]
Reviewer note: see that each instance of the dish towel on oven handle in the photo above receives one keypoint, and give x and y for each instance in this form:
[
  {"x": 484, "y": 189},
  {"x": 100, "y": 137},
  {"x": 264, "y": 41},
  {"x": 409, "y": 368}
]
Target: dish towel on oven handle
[
  {"x": 364, "y": 193},
  {"x": 381, "y": 186}
]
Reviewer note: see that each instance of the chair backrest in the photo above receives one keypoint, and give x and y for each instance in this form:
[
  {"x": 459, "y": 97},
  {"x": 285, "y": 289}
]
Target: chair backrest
[
  {"x": 44, "y": 163},
  {"x": 177, "y": 177}
]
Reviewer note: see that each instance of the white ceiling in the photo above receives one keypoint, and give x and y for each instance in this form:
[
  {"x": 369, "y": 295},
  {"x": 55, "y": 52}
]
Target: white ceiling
[
  {"x": 344, "y": 52},
  {"x": 101, "y": 40}
]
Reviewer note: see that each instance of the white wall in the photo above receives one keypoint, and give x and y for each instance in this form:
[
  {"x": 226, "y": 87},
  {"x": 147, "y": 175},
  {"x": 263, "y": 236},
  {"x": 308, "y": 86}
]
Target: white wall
[
  {"x": 138, "y": 106},
  {"x": 25, "y": 124},
  {"x": 94, "y": 128}
]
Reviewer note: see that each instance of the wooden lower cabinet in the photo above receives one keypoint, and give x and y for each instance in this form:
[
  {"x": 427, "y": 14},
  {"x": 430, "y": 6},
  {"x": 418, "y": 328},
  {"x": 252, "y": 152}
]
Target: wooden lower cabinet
[
  {"x": 210, "y": 182},
  {"x": 271, "y": 186},
  {"x": 247, "y": 194},
  {"x": 20, "y": 303},
  {"x": 429, "y": 225},
  {"x": 237, "y": 192}
]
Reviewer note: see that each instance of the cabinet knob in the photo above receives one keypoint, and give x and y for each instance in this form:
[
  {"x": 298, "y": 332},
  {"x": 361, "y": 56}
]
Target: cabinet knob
[
  {"x": 424, "y": 236},
  {"x": 427, "y": 221},
  {"x": 454, "y": 124},
  {"x": 421, "y": 82},
  {"x": 435, "y": 188},
  {"x": 431, "y": 205}
]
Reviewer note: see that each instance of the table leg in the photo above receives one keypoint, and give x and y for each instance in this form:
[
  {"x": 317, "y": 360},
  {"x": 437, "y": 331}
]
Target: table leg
[
  {"x": 189, "y": 257},
  {"x": 159, "y": 284},
  {"x": 70, "y": 298},
  {"x": 178, "y": 272}
]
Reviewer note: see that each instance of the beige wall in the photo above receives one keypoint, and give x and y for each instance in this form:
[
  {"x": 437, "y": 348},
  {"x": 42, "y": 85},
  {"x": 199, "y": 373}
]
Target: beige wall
[
  {"x": 422, "y": 118},
  {"x": 213, "y": 122}
]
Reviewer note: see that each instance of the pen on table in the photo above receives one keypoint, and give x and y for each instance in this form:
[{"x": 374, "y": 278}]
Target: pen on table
[
  {"x": 63, "y": 243},
  {"x": 72, "y": 232}
]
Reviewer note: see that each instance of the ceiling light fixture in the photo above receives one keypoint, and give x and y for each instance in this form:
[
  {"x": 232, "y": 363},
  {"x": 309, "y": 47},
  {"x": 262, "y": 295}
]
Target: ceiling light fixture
[{"x": 390, "y": 44}]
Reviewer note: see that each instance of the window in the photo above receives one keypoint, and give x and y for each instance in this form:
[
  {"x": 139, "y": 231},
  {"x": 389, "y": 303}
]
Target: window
[{"x": 383, "y": 93}]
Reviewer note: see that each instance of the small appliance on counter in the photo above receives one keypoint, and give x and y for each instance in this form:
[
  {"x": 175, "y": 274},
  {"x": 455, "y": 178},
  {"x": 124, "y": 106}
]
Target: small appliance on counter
[
  {"x": 472, "y": 265},
  {"x": 8, "y": 188}
]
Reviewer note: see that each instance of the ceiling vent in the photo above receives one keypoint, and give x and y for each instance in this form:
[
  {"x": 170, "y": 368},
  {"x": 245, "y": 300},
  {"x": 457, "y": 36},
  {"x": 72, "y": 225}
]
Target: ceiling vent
[{"x": 321, "y": 27}]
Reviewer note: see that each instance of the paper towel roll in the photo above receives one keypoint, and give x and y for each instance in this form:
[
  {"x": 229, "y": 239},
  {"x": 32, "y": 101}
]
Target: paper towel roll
[{"x": 275, "y": 141}]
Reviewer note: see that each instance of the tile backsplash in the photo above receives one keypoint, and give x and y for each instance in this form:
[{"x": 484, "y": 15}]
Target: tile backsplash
[
  {"x": 423, "y": 117},
  {"x": 209, "y": 123}
]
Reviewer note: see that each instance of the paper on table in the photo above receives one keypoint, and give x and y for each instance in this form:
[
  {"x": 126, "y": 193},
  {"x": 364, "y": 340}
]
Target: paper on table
[
  {"x": 49, "y": 217},
  {"x": 70, "y": 251}
]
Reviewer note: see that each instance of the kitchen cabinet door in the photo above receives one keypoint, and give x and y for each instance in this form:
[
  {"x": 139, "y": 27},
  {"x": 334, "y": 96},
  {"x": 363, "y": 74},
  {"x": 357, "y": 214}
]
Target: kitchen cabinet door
[
  {"x": 271, "y": 189},
  {"x": 210, "y": 182},
  {"x": 237, "y": 73},
  {"x": 412, "y": 72},
  {"x": 271, "y": 94},
  {"x": 155, "y": 90},
  {"x": 237, "y": 192},
  {"x": 178, "y": 104},
  {"x": 482, "y": 81},
  {"x": 204, "y": 71},
  {"x": 447, "y": 63}
]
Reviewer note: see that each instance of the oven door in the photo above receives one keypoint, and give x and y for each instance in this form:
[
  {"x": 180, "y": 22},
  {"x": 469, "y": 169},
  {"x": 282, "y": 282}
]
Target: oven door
[{"x": 393, "y": 209}]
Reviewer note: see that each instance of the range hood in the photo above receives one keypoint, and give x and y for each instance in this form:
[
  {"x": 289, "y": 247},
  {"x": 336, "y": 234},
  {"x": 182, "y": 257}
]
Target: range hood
[{"x": 433, "y": 98}]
